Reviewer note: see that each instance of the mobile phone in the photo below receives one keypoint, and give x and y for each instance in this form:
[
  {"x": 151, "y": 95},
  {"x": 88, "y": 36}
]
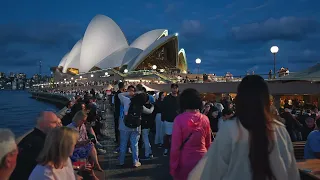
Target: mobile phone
[{"x": 307, "y": 170}]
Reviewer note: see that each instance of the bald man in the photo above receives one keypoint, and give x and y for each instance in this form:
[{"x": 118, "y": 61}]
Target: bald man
[
  {"x": 31, "y": 145},
  {"x": 8, "y": 153}
]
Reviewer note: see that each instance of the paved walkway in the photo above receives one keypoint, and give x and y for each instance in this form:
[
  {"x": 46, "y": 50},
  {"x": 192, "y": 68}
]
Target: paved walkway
[{"x": 157, "y": 168}]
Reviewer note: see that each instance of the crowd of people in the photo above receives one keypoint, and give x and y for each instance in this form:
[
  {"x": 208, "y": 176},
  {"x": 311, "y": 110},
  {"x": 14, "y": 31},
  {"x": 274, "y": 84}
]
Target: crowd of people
[
  {"x": 244, "y": 137},
  {"x": 58, "y": 141}
]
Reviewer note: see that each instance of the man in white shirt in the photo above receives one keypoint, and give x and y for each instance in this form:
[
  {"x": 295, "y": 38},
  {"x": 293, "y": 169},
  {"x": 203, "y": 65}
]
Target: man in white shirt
[{"x": 126, "y": 133}]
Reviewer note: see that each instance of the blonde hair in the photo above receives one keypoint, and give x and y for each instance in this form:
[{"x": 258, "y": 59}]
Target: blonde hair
[
  {"x": 58, "y": 146},
  {"x": 80, "y": 115}
]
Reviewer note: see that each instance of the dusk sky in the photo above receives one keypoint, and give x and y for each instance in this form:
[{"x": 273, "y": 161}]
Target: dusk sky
[{"x": 228, "y": 35}]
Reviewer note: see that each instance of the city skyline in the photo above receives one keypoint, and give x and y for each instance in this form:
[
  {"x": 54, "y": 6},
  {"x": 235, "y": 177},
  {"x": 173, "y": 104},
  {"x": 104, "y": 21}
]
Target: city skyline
[{"x": 228, "y": 36}]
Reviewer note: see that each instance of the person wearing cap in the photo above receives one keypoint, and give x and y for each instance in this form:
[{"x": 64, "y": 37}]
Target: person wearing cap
[
  {"x": 169, "y": 113},
  {"x": 8, "y": 153}
]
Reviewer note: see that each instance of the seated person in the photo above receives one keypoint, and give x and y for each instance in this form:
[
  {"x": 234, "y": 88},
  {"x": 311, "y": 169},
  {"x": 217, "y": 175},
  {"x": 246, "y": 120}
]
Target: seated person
[
  {"x": 54, "y": 161},
  {"x": 8, "y": 153},
  {"x": 67, "y": 116},
  {"x": 84, "y": 147},
  {"x": 31, "y": 145},
  {"x": 312, "y": 147}
]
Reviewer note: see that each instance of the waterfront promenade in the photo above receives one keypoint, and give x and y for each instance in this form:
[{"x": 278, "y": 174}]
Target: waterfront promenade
[{"x": 155, "y": 169}]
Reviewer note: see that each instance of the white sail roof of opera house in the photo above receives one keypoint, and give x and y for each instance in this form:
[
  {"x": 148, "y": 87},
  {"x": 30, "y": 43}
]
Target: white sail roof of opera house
[
  {"x": 105, "y": 46},
  {"x": 133, "y": 64},
  {"x": 126, "y": 55},
  {"x": 146, "y": 39},
  {"x": 118, "y": 58},
  {"x": 73, "y": 60},
  {"x": 63, "y": 60},
  {"x": 102, "y": 37}
]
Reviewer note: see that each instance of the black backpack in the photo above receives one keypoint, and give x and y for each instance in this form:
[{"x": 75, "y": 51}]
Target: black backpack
[{"x": 133, "y": 118}]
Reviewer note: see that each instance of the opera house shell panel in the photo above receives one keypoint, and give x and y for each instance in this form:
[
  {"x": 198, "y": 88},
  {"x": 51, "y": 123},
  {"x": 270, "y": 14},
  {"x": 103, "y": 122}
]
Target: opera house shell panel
[{"x": 105, "y": 46}]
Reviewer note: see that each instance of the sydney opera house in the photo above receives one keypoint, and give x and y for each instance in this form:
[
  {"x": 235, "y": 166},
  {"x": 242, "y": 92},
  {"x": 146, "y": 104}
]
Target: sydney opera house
[{"x": 105, "y": 46}]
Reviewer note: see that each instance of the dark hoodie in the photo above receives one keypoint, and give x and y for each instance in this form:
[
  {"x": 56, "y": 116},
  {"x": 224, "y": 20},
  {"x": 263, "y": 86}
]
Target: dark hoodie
[
  {"x": 147, "y": 120},
  {"x": 170, "y": 108}
]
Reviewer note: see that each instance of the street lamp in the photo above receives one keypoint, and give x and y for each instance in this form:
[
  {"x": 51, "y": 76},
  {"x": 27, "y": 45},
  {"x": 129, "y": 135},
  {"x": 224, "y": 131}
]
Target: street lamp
[
  {"x": 125, "y": 71},
  {"x": 91, "y": 75},
  {"x": 71, "y": 78},
  {"x": 154, "y": 67},
  {"x": 198, "y": 61},
  {"x": 274, "y": 50},
  {"x": 106, "y": 73},
  {"x": 80, "y": 77},
  {"x": 162, "y": 70}
]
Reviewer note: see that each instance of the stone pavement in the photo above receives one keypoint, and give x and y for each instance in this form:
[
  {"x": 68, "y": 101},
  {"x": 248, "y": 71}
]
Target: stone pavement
[{"x": 158, "y": 168}]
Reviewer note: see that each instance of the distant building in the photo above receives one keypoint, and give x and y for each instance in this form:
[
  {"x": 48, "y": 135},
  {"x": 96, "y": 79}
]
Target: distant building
[
  {"x": 22, "y": 76},
  {"x": 2, "y": 75},
  {"x": 12, "y": 75}
]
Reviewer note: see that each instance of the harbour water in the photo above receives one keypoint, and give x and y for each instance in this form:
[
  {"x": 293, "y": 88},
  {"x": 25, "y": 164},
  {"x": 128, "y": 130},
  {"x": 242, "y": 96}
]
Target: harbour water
[{"x": 18, "y": 110}]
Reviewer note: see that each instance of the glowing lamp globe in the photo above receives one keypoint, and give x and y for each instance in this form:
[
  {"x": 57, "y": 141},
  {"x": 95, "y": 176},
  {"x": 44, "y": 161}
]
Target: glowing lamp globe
[
  {"x": 125, "y": 71},
  {"x": 274, "y": 49},
  {"x": 198, "y": 61},
  {"x": 154, "y": 67}
]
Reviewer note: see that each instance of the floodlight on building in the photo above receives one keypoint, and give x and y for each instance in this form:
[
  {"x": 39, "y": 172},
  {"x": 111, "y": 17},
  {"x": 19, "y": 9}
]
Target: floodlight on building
[{"x": 154, "y": 67}]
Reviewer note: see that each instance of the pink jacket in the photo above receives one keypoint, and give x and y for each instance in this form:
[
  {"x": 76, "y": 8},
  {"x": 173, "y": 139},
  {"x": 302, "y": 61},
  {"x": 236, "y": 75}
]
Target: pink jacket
[{"x": 182, "y": 162}]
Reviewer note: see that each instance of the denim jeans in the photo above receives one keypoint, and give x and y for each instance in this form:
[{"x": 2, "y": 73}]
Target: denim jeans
[
  {"x": 146, "y": 142},
  {"x": 133, "y": 136}
]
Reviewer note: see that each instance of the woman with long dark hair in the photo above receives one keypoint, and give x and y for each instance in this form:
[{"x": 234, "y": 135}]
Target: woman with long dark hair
[{"x": 253, "y": 145}]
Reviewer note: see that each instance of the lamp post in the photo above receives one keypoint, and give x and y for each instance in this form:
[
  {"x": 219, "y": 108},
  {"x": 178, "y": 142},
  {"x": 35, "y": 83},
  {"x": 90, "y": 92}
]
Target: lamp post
[
  {"x": 274, "y": 50},
  {"x": 198, "y": 61},
  {"x": 106, "y": 73},
  {"x": 125, "y": 71},
  {"x": 92, "y": 75}
]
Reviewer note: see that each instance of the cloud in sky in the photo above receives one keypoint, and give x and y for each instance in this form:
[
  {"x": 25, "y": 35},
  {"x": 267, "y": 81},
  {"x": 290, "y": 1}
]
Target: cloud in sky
[
  {"x": 285, "y": 28},
  {"x": 227, "y": 35}
]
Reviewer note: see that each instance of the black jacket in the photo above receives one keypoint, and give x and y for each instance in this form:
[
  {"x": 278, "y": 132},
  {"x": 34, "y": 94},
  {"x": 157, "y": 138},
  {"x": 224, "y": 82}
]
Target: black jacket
[
  {"x": 29, "y": 149},
  {"x": 158, "y": 107},
  {"x": 170, "y": 108},
  {"x": 147, "y": 120},
  {"x": 117, "y": 104}
]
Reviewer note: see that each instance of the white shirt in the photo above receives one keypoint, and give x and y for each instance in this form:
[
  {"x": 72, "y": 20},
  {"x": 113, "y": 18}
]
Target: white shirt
[
  {"x": 49, "y": 173},
  {"x": 227, "y": 158}
]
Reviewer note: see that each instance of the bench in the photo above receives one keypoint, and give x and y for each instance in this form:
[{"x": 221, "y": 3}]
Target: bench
[{"x": 298, "y": 148}]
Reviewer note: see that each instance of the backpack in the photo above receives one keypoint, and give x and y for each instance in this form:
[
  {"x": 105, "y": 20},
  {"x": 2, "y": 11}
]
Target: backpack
[{"x": 133, "y": 118}]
